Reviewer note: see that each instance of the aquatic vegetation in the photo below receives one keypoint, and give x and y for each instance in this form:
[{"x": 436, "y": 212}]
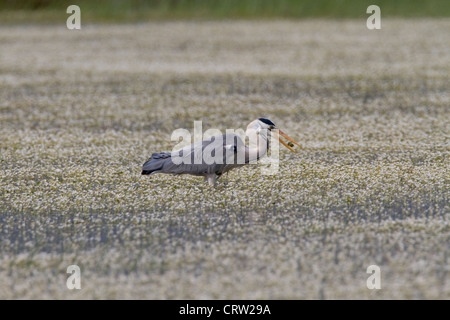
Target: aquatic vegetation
[{"x": 81, "y": 112}]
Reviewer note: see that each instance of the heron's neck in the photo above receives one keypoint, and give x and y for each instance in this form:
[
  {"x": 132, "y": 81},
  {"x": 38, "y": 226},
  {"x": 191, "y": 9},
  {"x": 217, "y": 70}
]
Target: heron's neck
[{"x": 258, "y": 146}]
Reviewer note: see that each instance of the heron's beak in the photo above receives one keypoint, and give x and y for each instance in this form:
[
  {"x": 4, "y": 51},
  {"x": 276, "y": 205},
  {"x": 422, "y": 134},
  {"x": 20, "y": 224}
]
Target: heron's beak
[{"x": 287, "y": 145}]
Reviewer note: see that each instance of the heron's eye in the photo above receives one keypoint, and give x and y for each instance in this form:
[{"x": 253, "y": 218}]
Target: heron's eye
[{"x": 272, "y": 127}]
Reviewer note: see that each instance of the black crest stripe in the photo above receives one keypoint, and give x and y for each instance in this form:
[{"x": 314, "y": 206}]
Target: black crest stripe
[{"x": 266, "y": 121}]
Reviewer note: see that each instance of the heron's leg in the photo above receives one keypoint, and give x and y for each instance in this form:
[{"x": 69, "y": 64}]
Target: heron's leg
[{"x": 211, "y": 179}]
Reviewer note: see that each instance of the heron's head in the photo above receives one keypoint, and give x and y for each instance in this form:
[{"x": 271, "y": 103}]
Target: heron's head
[{"x": 264, "y": 127}]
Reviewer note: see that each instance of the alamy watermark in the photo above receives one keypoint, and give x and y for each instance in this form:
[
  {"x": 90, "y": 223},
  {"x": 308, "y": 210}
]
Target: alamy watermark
[
  {"x": 374, "y": 280},
  {"x": 374, "y": 21},
  {"x": 74, "y": 280},
  {"x": 74, "y": 20}
]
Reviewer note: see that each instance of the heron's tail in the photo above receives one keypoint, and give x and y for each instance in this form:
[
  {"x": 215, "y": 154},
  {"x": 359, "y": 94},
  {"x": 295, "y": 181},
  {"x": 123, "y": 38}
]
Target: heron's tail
[{"x": 155, "y": 163}]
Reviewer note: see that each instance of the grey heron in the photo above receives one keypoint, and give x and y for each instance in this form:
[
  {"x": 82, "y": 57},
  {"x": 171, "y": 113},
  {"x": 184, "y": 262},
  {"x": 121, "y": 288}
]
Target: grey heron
[{"x": 212, "y": 157}]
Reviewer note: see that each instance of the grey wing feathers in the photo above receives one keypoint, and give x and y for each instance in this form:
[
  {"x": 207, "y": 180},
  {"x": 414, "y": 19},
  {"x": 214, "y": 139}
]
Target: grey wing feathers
[
  {"x": 155, "y": 162},
  {"x": 164, "y": 162}
]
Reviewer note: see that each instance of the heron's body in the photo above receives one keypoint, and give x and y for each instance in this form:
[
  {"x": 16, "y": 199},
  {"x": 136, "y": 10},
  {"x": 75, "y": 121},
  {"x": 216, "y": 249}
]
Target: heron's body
[{"x": 230, "y": 150}]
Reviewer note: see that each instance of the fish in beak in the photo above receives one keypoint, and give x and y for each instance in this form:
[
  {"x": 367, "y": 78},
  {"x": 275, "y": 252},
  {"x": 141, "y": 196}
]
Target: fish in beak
[{"x": 288, "y": 145}]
